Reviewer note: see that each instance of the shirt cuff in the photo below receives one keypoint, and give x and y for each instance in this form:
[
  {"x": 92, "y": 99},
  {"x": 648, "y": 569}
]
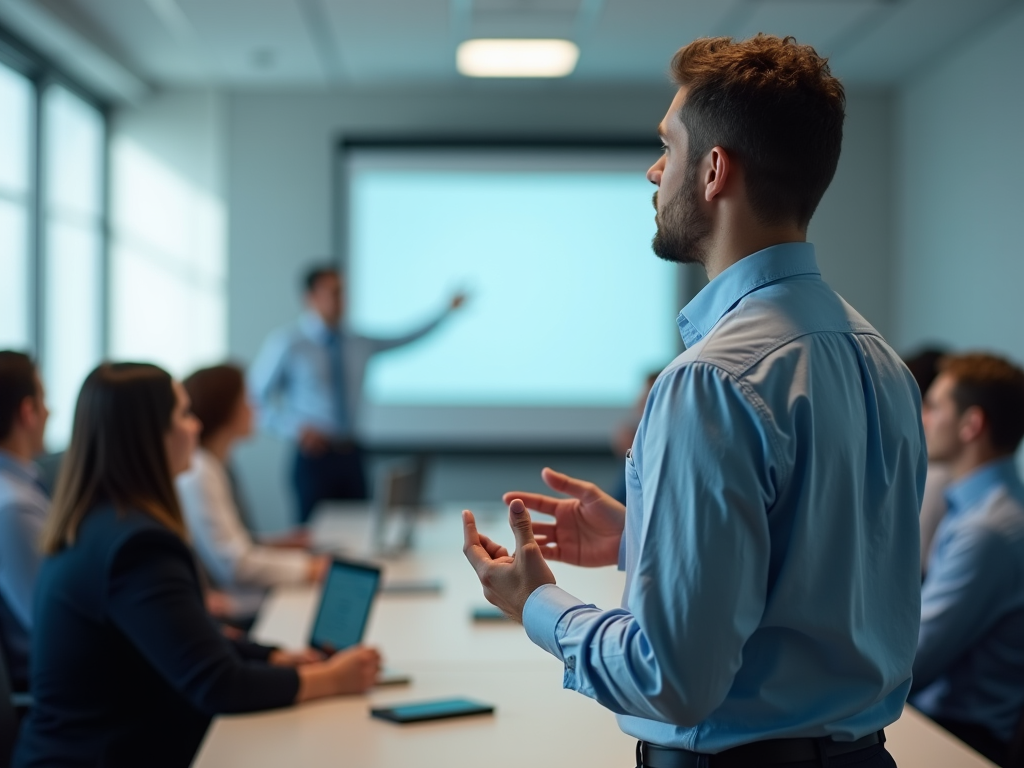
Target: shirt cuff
[{"x": 544, "y": 608}]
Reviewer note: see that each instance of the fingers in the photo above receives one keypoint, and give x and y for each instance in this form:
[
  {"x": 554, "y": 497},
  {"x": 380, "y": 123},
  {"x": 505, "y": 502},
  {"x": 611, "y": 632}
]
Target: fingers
[
  {"x": 472, "y": 547},
  {"x": 492, "y": 548},
  {"x": 556, "y": 481},
  {"x": 522, "y": 527},
  {"x": 547, "y": 505}
]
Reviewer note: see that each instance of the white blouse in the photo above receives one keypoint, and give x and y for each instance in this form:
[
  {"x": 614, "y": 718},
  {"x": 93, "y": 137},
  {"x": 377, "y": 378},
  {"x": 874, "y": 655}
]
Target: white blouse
[{"x": 224, "y": 546}]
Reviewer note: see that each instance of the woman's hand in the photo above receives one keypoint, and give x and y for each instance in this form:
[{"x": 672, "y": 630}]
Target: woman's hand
[{"x": 350, "y": 671}]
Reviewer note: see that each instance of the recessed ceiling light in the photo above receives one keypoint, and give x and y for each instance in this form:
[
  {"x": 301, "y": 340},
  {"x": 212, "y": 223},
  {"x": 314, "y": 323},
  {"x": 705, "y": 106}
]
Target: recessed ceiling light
[{"x": 516, "y": 58}]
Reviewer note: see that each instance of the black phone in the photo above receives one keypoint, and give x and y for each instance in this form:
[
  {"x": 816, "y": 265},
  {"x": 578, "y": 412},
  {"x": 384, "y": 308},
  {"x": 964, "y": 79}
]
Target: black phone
[{"x": 440, "y": 709}]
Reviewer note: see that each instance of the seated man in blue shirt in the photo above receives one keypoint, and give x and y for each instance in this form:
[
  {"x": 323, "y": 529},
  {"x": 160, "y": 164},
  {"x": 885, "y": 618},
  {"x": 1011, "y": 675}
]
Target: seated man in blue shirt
[
  {"x": 308, "y": 384},
  {"x": 23, "y": 506},
  {"x": 969, "y": 671},
  {"x": 770, "y": 532}
]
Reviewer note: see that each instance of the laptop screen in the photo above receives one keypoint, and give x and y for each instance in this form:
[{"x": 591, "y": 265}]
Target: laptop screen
[{"x": 345, "y": 604}]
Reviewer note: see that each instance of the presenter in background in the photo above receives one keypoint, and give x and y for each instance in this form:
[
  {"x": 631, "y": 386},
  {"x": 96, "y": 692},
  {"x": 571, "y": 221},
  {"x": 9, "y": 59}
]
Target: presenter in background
[
  {"x": 308, "y": 384},
  {"x": 770, "y": 532}
]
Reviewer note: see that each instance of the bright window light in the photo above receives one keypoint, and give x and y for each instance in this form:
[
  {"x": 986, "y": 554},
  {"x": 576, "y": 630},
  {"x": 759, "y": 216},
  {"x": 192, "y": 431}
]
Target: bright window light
[{"x": 516, "y": 58}]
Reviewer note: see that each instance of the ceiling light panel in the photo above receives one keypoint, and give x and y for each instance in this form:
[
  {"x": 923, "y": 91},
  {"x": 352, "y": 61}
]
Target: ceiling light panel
[{"x": 516, "y": 58}]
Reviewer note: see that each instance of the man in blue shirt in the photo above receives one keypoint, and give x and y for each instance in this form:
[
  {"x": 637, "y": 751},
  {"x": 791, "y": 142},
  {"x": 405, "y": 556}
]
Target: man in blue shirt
[
  {"x": 23, "y": 506},
  {"x": 969, "y": 670},
  {"x": 308, "y": 384},
  {"x": 770, "y": 532}
]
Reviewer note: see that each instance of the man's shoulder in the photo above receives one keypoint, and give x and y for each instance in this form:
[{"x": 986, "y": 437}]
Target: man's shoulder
[
  {"x": 777, "y": 316},
  {"x": 21, "y": 495},
  {"x": 999, "y": 518}
]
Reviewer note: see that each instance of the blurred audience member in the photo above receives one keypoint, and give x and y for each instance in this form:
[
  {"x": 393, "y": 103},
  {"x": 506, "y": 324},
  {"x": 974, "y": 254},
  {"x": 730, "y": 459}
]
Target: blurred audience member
[
  {"x": 234, "y": 562},
  {"x": 924, "y": 365},
  {"x": 622, "y": 440},
  {"x": 308, "y": 383},
  {"x": 969, "y": 670},
  {"x": 23, "y": 506},
  {"x": 127, "y": 666}
]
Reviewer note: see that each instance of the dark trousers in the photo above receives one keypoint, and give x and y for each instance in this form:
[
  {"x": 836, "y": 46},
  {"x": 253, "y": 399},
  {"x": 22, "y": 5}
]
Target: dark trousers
[
  {"x": 977, "y": 737},
  {"x": 875, "y": 756},
  {"x": 337, "y": 473}
]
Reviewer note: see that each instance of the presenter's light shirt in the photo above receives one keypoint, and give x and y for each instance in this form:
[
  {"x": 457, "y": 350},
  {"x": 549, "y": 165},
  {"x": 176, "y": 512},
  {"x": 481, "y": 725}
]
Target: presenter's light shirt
[
  {"x": 970, "y": 655},
  {"x": 771, "y": 542},
  {"x": 310, "y": 375},
  {"x": 23, "y": 506}
]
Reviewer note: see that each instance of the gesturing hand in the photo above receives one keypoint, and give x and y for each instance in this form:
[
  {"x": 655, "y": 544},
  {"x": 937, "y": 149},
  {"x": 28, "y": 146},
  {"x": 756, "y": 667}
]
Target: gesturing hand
[
  {"x": 587, "y": 527},
  {"x": 508, "y": 580}
]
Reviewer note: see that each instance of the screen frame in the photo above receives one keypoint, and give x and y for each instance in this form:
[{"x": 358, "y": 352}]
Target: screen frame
[
  {"x": 350, "y": 565},
  {"x": 521, "y": 429}
]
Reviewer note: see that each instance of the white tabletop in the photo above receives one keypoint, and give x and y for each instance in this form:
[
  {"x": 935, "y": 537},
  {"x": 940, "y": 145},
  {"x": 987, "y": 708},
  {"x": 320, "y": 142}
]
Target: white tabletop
[{"x": 431, "y": 637}]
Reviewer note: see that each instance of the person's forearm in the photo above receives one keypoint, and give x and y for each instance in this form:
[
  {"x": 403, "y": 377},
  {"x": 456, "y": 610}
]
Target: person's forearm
[{"x": 315, "y": 682}]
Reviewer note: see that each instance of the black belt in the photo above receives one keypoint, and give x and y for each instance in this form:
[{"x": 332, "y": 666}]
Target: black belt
[{"x": 769, "y": 752}]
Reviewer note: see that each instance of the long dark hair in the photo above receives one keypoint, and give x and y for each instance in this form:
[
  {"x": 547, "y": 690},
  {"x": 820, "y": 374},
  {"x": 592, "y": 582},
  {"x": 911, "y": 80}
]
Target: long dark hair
[{"x": 118, "y": 453}]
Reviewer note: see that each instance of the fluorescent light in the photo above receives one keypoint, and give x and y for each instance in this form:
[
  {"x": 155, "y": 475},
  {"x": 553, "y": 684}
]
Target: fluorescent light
[{"x": 516, "y": 58}]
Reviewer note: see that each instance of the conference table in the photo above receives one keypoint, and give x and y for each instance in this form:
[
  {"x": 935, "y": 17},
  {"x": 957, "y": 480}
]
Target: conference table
[{"x": 429, "y": 634}]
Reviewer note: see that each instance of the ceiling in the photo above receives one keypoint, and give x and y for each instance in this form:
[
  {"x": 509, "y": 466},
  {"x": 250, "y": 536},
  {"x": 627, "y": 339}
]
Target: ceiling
[{"x": 338, "y": 43}]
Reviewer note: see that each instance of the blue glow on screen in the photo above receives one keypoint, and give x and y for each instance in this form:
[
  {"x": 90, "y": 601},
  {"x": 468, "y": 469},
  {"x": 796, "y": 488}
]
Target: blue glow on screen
[{"x": 568, "y": 305}]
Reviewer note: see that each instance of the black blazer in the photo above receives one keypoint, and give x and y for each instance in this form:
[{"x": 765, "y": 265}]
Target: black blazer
[{"x": 127, "y": 668}]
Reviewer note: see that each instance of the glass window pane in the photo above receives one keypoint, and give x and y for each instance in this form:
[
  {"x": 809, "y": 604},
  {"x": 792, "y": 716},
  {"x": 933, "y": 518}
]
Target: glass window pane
[
  {"x": 74, "y": 156},
  {"x": 15, "y": 131},
  {"x": 73, "y": 263},
  {"x": 15, "y": 165},
  {"x": 14, "y": 283}
]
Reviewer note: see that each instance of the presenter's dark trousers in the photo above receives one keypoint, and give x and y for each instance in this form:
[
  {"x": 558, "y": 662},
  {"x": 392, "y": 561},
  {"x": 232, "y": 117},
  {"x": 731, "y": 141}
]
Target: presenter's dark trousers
[{"x": 335, "y": 474}]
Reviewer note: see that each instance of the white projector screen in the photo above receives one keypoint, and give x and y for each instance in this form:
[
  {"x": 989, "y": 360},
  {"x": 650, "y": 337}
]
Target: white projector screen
[{"x": 568, "y": 309}]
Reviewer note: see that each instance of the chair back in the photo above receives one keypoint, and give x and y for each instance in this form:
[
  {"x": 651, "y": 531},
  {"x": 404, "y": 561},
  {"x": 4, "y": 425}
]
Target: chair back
[
  {"x": 1015, "y": 750},
  {"x": 8, "y": 717}
]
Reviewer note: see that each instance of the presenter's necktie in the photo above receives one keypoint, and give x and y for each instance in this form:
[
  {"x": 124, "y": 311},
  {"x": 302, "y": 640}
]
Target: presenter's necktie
[{"x": 336, "y": 351}]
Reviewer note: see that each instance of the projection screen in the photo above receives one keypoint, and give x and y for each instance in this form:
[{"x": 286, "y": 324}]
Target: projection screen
[{"x": 567, "y": 311}]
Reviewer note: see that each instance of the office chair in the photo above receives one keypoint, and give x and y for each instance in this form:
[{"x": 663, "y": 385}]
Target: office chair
[
  {"x": 1015, "y": 750},
  {"x": 8, "y": 716}
]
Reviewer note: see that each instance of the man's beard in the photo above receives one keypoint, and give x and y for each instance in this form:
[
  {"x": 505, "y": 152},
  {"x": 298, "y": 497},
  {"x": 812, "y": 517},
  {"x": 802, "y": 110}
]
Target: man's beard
[{"x": 683, "y": 228}]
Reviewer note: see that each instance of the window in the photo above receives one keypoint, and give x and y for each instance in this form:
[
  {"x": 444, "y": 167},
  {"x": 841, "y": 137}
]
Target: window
[
  {"x": 16, "y": 130},
  {"x": 73, "y": 160}
]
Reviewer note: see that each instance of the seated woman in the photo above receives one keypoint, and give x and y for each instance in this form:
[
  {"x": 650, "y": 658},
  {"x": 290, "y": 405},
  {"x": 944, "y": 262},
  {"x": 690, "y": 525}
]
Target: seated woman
[
  {"x": 127, "y": 666},
  {"x": 234, "y": 562}
]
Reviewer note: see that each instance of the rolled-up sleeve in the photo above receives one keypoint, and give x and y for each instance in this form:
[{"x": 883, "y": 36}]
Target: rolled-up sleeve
[{"x": 707, "y": 472}]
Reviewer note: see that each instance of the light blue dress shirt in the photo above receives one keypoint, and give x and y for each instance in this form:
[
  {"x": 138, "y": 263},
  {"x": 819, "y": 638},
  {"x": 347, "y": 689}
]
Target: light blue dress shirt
[
  {"x": 295, "y": 378},
  {"x": 771, "y": 545},
  {"x": 970, "y": 655},
  {"x": 23, "y": 507}
]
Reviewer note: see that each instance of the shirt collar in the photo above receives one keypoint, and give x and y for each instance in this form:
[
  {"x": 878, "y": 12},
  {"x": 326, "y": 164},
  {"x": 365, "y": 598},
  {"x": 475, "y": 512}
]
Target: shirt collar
[
  {"x": 778, "y": 262},
  {"x": 25, "y": 470},
  {"x": 314, "y": 326},
  {"x": 971, "y": 490}
]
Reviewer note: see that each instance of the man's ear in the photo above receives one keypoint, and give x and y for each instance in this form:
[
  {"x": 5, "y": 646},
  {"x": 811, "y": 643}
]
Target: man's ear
[
  {"x": 717, "y": 172},
  {"x": 973, "y": 424}
]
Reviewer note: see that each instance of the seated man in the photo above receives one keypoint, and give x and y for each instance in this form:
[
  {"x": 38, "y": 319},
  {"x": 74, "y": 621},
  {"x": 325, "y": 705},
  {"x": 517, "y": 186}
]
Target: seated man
[
  {"x": 969, "y": 670},
  {"x": 23, "y": 505}
]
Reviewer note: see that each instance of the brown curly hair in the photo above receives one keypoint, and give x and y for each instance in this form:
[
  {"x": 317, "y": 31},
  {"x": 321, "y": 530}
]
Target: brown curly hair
[{"x": 775, "y": 107}]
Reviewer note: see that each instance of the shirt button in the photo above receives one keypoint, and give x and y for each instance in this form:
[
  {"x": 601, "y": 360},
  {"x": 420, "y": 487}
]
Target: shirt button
[{"x": 570, "y": 663}]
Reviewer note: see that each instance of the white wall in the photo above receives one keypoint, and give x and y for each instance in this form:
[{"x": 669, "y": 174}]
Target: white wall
[
  {"x": 168, "y": 270},
  {"x": 280, "y": 149},
  {"x": 960, "y": 197}
]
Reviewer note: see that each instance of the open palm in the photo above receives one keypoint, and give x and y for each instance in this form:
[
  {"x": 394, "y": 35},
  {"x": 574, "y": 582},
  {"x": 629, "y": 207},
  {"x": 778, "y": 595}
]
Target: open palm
[{"x": 587, "y": 527}]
